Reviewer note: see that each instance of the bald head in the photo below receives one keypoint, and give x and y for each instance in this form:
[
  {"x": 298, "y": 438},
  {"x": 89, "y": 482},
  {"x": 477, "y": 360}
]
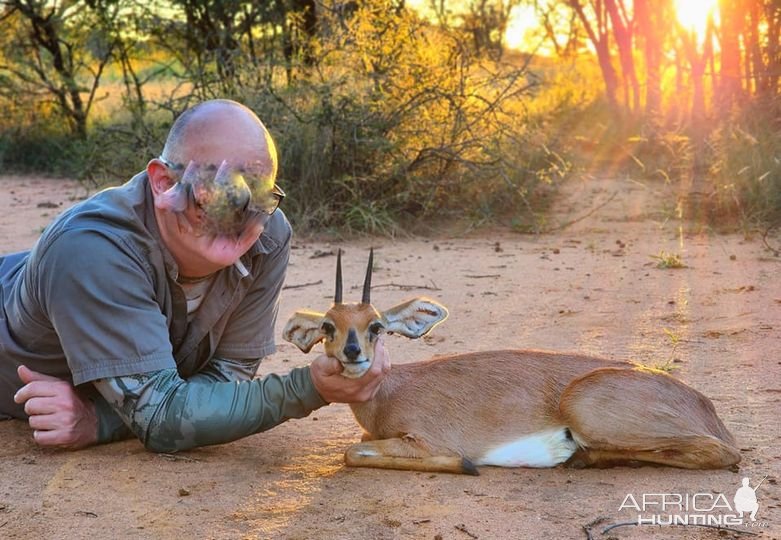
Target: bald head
[{"x": 218, "y": 130}]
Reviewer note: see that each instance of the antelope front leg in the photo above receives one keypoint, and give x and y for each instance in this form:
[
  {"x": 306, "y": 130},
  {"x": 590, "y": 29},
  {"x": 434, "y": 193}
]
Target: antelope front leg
[{"x": 404, "y": 454}]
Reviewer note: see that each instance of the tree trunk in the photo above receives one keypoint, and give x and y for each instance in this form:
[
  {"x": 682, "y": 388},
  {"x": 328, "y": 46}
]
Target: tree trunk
[
  {"x": 623, "y": 35},
  {"x": 732, "y": 16},
  {"x": 748, "y": 75},
  {"x": 45, "y": 35},
  {"x": 649, "y": 27},
  {"x": 697, "y": 64},
  {"x": 773, "y": 17},
  {"x": 608, "y": 74},
  {"x": 602, "y": 46}
]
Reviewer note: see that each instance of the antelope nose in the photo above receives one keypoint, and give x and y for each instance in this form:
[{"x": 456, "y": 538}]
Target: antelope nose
[
  {"x": 352, "y": 348},
  {"x": 351, "y": 351}
]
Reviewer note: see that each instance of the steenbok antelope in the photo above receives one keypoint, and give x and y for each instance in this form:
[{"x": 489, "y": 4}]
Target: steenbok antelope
[{"x": 510, "y": 408}]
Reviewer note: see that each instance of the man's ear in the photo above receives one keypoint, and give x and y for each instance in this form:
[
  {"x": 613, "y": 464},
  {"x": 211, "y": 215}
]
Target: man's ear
[
  {"x": 159, "y": 179},
  {"x": 303, "y": 329},
  {"x": 414, "y": 318},
  {"x": 166, "y": 192}
]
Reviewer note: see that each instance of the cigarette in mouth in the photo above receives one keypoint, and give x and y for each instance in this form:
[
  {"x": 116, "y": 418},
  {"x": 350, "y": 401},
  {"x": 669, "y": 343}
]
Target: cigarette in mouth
[{"x": 241, "y": 268}]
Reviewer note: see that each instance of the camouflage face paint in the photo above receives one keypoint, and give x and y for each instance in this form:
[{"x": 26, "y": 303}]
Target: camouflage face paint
[{"x": 226, "y": 198}]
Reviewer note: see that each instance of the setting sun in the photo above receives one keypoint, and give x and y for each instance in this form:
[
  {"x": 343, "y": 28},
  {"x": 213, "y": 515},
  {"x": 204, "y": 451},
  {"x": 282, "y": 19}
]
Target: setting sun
[
  {"x": 522, "y": 19},
  {"x": 693, "y": 14}
]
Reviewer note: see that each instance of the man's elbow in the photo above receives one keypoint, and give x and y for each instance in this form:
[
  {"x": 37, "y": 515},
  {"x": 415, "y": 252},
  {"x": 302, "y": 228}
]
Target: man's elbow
[{"x": 160, "y": 443}]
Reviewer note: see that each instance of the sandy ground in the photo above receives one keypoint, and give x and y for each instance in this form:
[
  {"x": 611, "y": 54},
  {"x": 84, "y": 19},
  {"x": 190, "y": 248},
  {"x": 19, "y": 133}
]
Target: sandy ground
[{"x": 592, "y": 287}]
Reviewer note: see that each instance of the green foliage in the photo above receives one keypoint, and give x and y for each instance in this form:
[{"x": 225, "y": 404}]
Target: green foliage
[
  {"x": 649, "y": 148},
  {"x": 662, "y": 155},
  {"x": 745, "y": 164},
  {"x": 401, "y": 122},
  {"x": 110, "y": 154},
  {"x": 732, "y": 163},
  {"x": 53, "y": 55},
  {"x": 382, "y": 121},
  {"x": 42, "y": 151}
]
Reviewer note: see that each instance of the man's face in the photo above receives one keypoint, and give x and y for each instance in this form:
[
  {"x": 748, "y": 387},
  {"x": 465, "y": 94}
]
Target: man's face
[
  {"x": 209, "y": 216},
  {"x": 222, "y": 199}
]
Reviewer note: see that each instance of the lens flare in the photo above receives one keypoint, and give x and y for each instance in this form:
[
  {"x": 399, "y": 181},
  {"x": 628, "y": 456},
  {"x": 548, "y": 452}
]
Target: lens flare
[{"x": 693, "y": 14}]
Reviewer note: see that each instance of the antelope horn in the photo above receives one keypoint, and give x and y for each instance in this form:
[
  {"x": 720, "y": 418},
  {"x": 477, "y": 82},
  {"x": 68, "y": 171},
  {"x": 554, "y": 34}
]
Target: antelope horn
[
  {"x": 367, "y": 282},
  {"x": 338, "y": 293}
]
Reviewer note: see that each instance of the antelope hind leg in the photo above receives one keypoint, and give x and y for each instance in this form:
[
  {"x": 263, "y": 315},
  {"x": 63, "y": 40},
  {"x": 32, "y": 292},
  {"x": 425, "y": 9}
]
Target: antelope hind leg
[
  {"x": 406, "y": 455},
  {"x": 620, "y": 415}
]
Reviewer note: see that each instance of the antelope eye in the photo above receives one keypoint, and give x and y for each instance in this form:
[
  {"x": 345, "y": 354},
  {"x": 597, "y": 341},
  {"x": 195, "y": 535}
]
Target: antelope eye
[
  {"x": 328, "y": 329},
  {"x": 376, "y": 328}
]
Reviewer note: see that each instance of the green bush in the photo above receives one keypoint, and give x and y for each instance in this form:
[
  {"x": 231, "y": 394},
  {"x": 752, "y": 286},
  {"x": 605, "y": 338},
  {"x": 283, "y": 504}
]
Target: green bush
[
  {"x": 391, "y": 123},
  {"x": 745, "y": 163},
  {"x": 400, "y": 123},
  {"x": 38, "y": 149},
  {"x": 109, "y": 155}
]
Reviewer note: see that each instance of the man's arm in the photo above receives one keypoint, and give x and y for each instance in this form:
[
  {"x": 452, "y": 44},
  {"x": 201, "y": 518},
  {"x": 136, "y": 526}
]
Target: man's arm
[
  {"x": 112, "y": 427},
  {"x": 157, "y": 420},
  {"x": 165, "y": 412},
  {"x": 168, "y": 414},
  {"x": 60, "y": 416}
]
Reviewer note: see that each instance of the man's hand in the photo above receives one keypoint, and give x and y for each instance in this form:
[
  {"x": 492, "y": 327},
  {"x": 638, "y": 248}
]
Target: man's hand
[
  {"x": 58, "y": 415},
  {"x": 334, "y": 388}
]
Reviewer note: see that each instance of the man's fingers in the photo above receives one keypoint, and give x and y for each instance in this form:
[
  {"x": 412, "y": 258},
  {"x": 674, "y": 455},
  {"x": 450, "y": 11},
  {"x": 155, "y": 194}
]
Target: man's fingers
[
  {"x": 44, "y": 421},
  {"x": 48, "y": 437},
  {"x": 59, "y": 416},
  {"x": 35, "y": 389},
  {"x": 328, "y": 365},
  {"x": 39, "y": 405},
  {"x": 28, "y": 375},
  {"x": 333, "y": 387},
  {"x": 381, "y": 362}
]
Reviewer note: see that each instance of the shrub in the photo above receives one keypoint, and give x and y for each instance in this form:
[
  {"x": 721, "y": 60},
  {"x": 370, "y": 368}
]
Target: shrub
[
  {"x": 401, "y": 121},
  {"x": 745, "y": 163},
  {"x": 388, "y": 120}
]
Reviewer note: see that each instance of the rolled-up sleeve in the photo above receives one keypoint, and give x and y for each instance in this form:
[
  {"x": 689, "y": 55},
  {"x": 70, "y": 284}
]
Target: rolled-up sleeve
[{"x": 100, "y": 300}]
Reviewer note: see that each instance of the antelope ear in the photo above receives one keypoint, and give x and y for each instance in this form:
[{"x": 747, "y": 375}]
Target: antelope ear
[
  {"x": 414, "y": 318},
  {"x": 303, "y": 329}
]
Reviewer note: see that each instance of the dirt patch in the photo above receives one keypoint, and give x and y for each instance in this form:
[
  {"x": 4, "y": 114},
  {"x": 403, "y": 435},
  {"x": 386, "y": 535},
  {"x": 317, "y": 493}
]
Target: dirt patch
[{"x": 593, "y": 287}]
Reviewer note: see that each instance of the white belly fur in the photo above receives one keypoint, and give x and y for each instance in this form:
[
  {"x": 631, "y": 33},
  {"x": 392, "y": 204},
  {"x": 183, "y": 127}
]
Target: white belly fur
[{"x": 544, "y": 449}]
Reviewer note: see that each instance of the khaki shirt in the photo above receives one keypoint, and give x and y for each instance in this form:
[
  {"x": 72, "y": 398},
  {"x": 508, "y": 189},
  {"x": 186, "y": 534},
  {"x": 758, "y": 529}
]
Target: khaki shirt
[{"x": 97, "y": 297}]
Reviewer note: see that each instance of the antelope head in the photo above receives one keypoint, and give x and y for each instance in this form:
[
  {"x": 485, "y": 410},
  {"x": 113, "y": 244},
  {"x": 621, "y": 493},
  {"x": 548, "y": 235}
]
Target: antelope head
[{"x": 349, "y": 330}]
